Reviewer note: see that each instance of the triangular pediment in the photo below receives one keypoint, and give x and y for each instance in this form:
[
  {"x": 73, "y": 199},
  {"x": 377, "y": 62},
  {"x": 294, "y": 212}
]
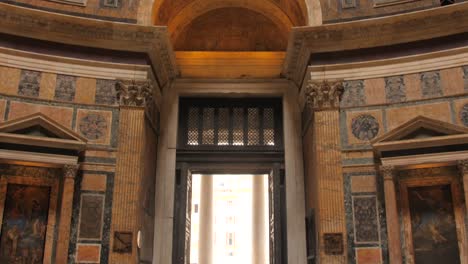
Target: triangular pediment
[
  {"x": 40, "y": 130},
  {"x": 421, "y": 128}
]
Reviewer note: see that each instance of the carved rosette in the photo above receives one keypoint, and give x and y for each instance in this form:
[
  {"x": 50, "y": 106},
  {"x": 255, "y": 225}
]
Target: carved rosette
[
  {"x": 388, "y": 173},
  {"x": 324, "y": 95},
  {"x": 69, "y": 171},
  {"x": 134, "y": 92}
]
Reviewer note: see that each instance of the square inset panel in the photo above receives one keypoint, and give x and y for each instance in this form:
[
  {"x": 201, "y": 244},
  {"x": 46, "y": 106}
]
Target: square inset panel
[
  {"x": 372, "y": 255},
  {"x": 364, "y": 126},
  {"x": 88, "y": 253},
  {"x": 105, "y": 92},
  {"x": 461, "y": 112},
  {"x": 452, "y": 81},
  {"x": 9, "y": 80},
  {"x": 334, "y": 244},
  {"x": 395, "y": 90},
  {"x": 95, "y": 126},
  {"x": 366, "y": 220},
  {"x": 431, "y": 86},
  {"x": 29, "y": 83},
  {"x": 123, "y": 242},
  {"x": 374, "y": 90},
  {"x": 94, "y": 182},
  {"x": 91, "y": 214},
  {"x": 65, "y": 88},
  {"x": 354, "y": 94},
  {"x": 365, "y": 183}
]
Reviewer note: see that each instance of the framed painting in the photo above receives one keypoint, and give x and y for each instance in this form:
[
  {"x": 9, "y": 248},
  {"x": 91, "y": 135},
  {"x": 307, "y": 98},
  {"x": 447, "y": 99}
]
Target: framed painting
[{"x": 433, "y": 220}]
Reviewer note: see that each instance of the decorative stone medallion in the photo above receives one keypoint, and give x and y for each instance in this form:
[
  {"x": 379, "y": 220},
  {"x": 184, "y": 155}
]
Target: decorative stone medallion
[
  {"x": 93, "y": 126},
  {"x": 464, "y": 115},
  {"x": 29, "y": 83},
  {"x": 365, "y": 127},
  {"x": 333, "y": 243}
]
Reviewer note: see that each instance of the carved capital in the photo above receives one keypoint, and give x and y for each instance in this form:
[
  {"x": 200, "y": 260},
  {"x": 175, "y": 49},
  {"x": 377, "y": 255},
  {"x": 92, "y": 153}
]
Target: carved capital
[
  {"x": 134, "y": 92},
  {"x": 388, "y": 173},
  {"x": 69, "y": 171},
  {"x": 324, "y": 94},
  {"x": 463, "y": 166}
]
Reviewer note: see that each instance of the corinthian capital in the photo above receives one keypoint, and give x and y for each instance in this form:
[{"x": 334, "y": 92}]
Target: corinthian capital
[
  {"x": 463, "y": 166},
  {"x": 324, "y": 94},
  {"x": 388, "y": 173},
  {"x": 134, "y": 92},
  {"x": 69, "y": 171}
]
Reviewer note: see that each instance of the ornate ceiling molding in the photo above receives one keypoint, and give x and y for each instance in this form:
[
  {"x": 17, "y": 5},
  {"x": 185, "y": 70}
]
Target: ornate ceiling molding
[
  {"x": 385, "y": 31},
  {"x": 86, "y": 32}
]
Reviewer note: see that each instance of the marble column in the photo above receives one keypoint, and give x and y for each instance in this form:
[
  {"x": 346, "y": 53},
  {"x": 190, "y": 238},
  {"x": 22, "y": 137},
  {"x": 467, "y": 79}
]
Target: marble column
[
  {"x": 259, "y": 221},
  {"x": 69, "y": 174},
  {"x": 391, "y": 210},
  {"x": 134, "y": 98},
  {"x": 323, "y": 98},
  {"x": 463, "y": 167},
  {"x": 205, "y": 246}
]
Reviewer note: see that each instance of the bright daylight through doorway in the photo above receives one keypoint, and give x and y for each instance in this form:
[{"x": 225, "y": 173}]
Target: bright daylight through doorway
[{"x": 229, "y": 219}]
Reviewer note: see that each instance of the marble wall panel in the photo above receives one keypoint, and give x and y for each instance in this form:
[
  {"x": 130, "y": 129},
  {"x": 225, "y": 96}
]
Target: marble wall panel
[
  {"x": 9, "y": 80},
  {"x": 62, "y": 115},
  {"x": 461, "y": 111},
  {"x": 65, "y": 88},
  {"x": 397, "y": 116},
  {"x": 47, "y": 85},
  {"x": 91, "y": 213},
  {"x": 366, "y": 222},
  {"x": 2, "y": 109},
  {"x": 465, "y": 77},
  {"x": 368, "y": 255},
  {"x": 431, "y": 85},
  {"x": 85, "y": 90},
  {"x": 452, "y": 81},
  {"x": 95, "y": 126},
  {"x": 354, "y": 94},
  {"x": 29, "y": 83},
  {"x": 94, "y": 182},
  {"x": 413, "y": 87},
  {"x": 88, "y": 253},
  {"x": 374, "y": 91},
  {"x": 395, "y": 90},
  {"x": 105, "y": 92},
  {"x": 365, "y": 183}
]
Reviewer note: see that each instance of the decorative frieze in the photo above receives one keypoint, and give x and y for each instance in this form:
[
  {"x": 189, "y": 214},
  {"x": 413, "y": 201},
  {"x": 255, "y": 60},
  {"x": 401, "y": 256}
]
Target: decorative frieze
[
  {"x": 134, "y": 92},
  {"x": 324, "y": 94},
  {"x": 29, "y": 83}
]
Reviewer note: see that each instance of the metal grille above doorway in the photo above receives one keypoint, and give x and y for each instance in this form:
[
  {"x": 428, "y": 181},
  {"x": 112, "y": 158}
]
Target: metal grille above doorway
[{"x": 230, "y": 124}]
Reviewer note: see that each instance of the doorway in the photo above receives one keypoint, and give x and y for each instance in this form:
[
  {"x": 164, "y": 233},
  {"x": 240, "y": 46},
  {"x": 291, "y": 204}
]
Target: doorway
[{"x": 229, "y": 219}]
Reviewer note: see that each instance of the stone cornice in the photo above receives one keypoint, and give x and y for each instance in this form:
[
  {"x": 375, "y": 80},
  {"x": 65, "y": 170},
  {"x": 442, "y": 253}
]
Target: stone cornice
[
  {"x": 324, "y": 94},
  {"x": 86, "y": 32},
  {"x": 391, "y": 30}
]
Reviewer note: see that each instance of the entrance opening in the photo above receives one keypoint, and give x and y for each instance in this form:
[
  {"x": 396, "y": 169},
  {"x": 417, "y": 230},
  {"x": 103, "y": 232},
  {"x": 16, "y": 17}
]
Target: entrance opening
[{"x": 229, "y": 219}]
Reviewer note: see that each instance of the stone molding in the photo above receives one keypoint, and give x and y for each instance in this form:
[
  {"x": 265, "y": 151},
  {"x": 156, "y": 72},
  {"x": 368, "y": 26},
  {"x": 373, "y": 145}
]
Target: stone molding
[
  {"x": 368, "y": 33},
  {"x": 36, "y": 24},
  {"x": 324, "y": 94},
  {"x": 69, "y": 171},
  {"x": 134, "y": 92}
]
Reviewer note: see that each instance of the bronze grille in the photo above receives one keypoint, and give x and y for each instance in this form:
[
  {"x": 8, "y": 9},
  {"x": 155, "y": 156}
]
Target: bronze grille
[{"x": 230, "y": 124}]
